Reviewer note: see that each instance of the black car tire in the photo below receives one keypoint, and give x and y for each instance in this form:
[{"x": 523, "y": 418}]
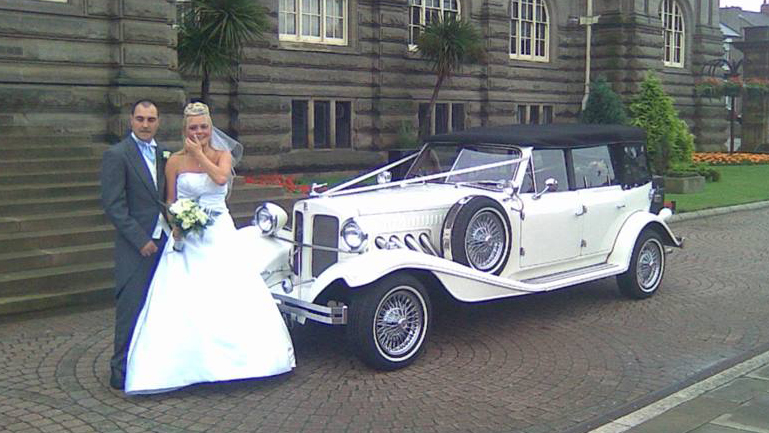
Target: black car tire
[
  {"x": 647, "y": 267},
  {"x": 389, "y": 321}
]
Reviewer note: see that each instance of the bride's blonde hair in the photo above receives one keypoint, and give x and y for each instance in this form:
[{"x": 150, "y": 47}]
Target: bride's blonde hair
[{"x": 195, "y": 109}]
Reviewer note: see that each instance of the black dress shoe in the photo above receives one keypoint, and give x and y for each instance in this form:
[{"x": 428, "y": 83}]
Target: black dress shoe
[{"x": 117, "y": 381}]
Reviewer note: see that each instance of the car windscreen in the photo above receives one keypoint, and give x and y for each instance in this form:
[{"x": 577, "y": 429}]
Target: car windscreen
[{"x": 449, "y": 158}]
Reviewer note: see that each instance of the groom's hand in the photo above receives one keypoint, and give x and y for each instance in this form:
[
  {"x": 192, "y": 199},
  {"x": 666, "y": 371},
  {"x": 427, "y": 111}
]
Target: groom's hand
[{"x": 148, "y": 249}]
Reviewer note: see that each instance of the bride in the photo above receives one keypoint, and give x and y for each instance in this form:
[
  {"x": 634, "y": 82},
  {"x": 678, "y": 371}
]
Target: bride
[{"x": 208, "y": 315}]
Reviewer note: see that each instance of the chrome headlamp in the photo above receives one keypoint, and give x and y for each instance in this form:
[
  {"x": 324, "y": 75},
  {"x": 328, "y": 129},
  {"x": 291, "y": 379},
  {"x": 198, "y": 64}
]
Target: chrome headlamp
[
  {"x": 270, "y": 218},
  {"x": 353, "y": 236}
]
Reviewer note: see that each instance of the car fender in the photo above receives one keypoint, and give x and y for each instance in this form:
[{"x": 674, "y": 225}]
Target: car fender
[
  {"x": 370, "y": 266},
  {"x": 270, "y": 253},
  {"x": 633, "y": 226},
  {"x": 461, "y": 282}
]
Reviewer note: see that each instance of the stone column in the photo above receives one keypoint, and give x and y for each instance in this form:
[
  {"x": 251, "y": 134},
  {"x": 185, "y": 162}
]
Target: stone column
[
  {"x": 755, "y": 112},
  {"x": 145, "y": 50}
]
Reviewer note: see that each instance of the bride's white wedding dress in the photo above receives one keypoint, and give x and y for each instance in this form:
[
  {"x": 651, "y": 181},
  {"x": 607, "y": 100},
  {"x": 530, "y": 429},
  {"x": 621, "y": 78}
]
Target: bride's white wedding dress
[{"x": 208, "y": 315}]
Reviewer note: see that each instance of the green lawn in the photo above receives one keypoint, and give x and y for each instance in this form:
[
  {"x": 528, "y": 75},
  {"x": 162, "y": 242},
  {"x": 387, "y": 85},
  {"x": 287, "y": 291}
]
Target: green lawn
[{"x": 739, "y": 184}]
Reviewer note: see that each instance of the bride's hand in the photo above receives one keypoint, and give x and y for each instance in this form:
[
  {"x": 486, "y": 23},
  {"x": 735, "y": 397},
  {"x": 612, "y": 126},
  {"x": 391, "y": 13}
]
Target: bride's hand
[
  {"x": 193, "y": 147},
  {"x": 176, "y": 233}
]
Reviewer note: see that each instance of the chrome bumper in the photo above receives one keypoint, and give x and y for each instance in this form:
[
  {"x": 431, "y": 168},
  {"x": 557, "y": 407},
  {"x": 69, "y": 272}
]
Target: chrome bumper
[{"x": 318, "y": 313}]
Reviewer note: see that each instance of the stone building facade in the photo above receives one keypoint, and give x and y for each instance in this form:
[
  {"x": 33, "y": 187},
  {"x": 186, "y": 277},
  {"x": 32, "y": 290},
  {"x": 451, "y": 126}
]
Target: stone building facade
[
  {"x": 77, "y": 65},
  {"x": 331, "y": 82}
]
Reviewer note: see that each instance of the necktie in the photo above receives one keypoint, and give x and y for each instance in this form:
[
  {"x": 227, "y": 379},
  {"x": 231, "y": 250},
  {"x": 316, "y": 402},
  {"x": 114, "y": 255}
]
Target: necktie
[{"x": 148, "y": 150}]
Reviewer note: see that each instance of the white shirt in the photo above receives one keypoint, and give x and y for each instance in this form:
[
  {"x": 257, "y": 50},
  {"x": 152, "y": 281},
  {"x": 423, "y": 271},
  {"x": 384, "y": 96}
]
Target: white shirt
[{"x": 161, "y": 226}]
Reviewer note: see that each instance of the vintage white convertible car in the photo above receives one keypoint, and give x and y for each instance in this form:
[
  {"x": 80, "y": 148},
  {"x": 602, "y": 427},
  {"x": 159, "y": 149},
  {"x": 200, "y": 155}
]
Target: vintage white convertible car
[{"x": 482, "y": 214}]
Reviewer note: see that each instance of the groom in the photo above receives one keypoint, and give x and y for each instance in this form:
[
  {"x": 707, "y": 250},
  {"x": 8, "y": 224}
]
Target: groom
[{"x": 132, "y": 194}]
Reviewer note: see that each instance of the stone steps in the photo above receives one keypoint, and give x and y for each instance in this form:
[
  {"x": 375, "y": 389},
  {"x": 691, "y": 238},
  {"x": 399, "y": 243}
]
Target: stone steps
[
  {"x": 52, "y": 190},
  {"x": 56, "y": 244},
  {"x": 27, "y": 223},
  {"x": 43, "y": 165},
  {"x": 49, "y": 205},
  {"x": 59, "y": 175},
  {"x": 55, "y": 256},
  {"x": 55, "y": 279},
  {"x": 63, "y": 151},
  {"x": 97, "y": 293},
  {"x": 35, "y": 240}
]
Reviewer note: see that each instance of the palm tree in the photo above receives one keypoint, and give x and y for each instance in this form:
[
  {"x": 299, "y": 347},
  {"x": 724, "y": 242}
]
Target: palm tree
[
  {"x": 447, "y": 43},
  {"x": 212, "y": 36}
]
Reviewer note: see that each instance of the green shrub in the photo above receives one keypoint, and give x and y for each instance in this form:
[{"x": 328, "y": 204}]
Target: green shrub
[
  {"x": 603, "y": 105},
  {"x": 667, "y": 136},
  {"x": 684, "y": 169},
  {"x": 683, "y": 143},
  {"x": 408, "y": 138}
]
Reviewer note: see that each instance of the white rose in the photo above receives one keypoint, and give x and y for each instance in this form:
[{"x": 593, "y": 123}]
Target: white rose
[
  {"x": 186, "y": 225},
  {"x": 202, "y": 217},
  {"x": 176, "y": 208}
]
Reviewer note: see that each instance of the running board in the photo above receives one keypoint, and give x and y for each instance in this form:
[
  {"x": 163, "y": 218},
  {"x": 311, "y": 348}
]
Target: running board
[{"x": 599, "y": 268}]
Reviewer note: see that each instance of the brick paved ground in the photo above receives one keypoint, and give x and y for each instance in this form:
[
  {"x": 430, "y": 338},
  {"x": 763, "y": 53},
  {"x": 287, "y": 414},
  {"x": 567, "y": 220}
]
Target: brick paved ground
[{"x": 543, "y": 363}]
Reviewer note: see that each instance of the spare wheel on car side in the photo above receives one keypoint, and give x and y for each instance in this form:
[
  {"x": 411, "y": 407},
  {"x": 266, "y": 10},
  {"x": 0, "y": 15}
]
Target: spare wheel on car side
[{"x": 477, "y": 233}]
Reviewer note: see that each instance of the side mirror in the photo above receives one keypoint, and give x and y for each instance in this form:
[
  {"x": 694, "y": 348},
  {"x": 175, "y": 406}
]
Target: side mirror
[
  {"x": 510, "y": 189},
  {"x": 384, "y": 177},
  {"x": 551, "y": 185}
]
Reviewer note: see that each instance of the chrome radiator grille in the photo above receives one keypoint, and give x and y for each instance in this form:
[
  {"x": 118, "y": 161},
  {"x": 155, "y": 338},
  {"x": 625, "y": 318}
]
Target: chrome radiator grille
[
  {"x": 296, "y": 251},
  {"x": 325, "y": 232}
]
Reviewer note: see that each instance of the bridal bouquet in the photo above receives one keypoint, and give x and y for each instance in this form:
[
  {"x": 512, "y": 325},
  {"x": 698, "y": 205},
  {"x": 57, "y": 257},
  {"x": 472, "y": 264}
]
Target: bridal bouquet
[{"x": 187, "y": 216}]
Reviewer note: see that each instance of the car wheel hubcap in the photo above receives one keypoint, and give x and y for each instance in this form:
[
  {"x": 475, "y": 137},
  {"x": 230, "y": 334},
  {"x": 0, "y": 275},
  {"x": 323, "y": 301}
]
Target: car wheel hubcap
[
  {"x": 649, "y": 266},
  {"x": 399, "y": 322},
  {"x": 484, "y": 240}
]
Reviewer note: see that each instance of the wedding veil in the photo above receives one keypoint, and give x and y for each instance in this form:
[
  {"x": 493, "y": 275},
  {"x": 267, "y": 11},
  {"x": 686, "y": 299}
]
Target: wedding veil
[{"x": 222, "y": 141}]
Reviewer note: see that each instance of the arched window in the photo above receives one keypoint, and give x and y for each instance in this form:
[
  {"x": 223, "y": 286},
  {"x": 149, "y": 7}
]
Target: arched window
[
  {"x": 423, "y": 12},
  {"x": 674, "y": 33},
  {"x": 529, "y": 30},
  {"x": 320, "y": 21}
]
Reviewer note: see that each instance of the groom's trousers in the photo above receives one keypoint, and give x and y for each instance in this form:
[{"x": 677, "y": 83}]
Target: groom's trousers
[{"x": 129, "y": 301}]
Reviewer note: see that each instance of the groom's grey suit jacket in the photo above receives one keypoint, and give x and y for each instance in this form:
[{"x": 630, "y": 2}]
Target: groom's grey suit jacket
[{"x": 132, "y": 202}]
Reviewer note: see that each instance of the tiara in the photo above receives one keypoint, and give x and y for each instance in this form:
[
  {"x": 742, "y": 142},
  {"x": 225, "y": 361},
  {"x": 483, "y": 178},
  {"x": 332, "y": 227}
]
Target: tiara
[{"x": 196, "y": 109}]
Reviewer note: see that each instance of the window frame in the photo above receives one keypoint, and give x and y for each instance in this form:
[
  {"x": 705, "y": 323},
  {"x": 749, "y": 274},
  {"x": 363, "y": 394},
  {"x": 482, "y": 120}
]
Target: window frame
[
  {"x": 449, "y": 116},
  {"x": 607, "y": 160},
  {"x": 671, "y": 13},
  {"x": 423, "y": 14},
  {"x": 545, "y": 114},
  {"x": 297, "y": 36},
  {"x": 516, "y": 20},
  {"x": 181, "y": 8},
  {"x": 331, "y": 126}
]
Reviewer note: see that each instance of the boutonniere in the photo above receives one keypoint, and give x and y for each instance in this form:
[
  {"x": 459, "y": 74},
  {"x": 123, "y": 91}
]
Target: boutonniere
[{"x": 166, "y": 154}]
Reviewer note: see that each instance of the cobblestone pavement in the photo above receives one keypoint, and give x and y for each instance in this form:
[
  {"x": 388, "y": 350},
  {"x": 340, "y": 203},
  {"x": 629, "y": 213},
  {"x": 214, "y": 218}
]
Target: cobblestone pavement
[{"x": 553, "y": 362}]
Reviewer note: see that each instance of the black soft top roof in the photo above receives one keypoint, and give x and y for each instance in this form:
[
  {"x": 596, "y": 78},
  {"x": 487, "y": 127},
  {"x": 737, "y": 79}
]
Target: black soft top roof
[{"x": 557, "y": 135}]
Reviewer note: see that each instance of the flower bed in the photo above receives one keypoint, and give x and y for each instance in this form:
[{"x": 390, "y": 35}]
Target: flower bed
[
  {"x": 723, "y": 158},
  {"x": 288, "y": 182}
]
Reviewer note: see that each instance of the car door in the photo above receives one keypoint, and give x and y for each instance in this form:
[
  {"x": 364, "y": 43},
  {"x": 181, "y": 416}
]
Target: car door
[
  {"x": 551, "y": 229},
  {"x": 601, "y": 197}
]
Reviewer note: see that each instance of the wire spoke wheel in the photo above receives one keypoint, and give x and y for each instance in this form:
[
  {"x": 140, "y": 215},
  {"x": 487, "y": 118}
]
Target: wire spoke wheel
[
  {"x": 398, "y": 322},
  {"x": 485, "y": 240},
  {"x": 649, "y": 266},
  {"x": 389, "y": 321}
]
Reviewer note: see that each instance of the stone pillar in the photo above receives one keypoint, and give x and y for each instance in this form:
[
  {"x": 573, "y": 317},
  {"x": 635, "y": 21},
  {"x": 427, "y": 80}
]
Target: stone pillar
[
  {"x": 76, "y": 66},
  {"x": 755, "y": 113},
  {"x": 145, "y": 49}
]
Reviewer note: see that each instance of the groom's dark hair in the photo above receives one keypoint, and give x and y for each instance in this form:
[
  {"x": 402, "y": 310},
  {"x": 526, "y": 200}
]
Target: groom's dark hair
[{"x": 144, "y": 103}]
